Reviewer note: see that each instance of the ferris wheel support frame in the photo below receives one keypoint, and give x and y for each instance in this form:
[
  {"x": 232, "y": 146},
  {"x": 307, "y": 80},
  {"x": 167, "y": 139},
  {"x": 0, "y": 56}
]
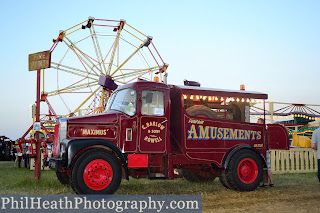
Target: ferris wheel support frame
[{"x": 97, "y": 66}]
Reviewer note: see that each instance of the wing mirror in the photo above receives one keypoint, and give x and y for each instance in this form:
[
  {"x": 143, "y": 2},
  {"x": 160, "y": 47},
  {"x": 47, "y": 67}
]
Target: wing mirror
[{"x": 149, "y": 97}]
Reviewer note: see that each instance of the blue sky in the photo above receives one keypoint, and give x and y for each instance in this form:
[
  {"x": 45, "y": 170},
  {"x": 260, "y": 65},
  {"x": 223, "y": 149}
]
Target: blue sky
[{"x": 270, "y": 46}]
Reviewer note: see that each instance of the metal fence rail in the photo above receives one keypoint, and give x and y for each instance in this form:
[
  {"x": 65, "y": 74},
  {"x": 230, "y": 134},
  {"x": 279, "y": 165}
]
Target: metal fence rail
[{"x": 295, "y": 160}]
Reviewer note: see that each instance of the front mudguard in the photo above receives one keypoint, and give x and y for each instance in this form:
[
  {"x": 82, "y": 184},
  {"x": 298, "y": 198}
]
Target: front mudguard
[{"x": 77, "y": 146}]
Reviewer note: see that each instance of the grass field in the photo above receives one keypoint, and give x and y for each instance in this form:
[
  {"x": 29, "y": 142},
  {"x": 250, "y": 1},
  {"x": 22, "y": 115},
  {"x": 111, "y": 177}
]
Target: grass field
[{"x": 292, "y": 192}]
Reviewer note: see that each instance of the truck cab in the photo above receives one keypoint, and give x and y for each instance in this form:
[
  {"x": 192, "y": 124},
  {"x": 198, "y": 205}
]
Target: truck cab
[{"x": 154, "y": 130}]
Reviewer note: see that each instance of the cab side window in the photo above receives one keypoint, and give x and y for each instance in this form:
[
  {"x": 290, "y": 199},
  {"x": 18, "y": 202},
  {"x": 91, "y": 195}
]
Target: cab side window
[{"x": 152, "y": 103}]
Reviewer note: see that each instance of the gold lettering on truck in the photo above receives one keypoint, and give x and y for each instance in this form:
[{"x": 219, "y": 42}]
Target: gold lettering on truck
[
  {"x": 153, "y": 135},
  {"x": 100, "y": 132},
  {"x": 201, "y": 132}
]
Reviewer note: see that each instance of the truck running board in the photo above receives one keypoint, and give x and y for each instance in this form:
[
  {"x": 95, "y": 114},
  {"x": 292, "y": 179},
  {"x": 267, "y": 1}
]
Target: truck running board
[{"x": 158, "y": 176}]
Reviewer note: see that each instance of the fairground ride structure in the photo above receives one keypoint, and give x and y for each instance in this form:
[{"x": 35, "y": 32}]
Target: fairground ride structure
[
  {"x": 87, "y": 62},
  {"x": 93, "y": 58},
  {"x": 299, "y": 119}
]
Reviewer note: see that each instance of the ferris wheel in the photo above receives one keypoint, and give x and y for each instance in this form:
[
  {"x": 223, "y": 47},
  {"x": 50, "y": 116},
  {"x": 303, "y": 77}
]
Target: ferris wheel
[{"x": 93, "y": 58}]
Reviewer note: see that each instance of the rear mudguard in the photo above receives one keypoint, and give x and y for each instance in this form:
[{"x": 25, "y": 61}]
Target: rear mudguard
[
  {"x": 278, "y": 137},
  {"x": 233, "y": 151}
]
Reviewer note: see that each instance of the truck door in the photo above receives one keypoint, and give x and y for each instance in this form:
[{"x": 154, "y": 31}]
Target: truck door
[
  {"x": 126, "y": 102},
  {"x": 153, "y": 125}
]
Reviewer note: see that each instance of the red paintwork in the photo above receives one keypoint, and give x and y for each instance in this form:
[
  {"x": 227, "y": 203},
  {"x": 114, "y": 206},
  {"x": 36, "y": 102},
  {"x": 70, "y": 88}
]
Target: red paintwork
[
  {"x": 278, "y": 137},
  {"x": 45, "y": 149},
  {"x": 138, "y": 161},
  {"x": 214, "y": 147},
  {"x": 173, "y": 140},
  {"x": 153, "y": 138},
  {"x": 55, "y": 141},
  {"x": 115, "y": 124},
  {"x": 98, "y": 174},
  {"x": 189, "y": 90},
  {"x": 32, "y": 147},
  {"x": 107, "y": 131},
  {"x": 247, "y": 170},
  {"x": 37, "y": 166},
  {"x": 207, "y": 149}
]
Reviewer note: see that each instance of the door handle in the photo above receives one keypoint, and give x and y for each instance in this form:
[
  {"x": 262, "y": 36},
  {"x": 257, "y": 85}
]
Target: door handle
[
  {"x": 134, "y": 126},
  {"x": 164, "y": 121}
]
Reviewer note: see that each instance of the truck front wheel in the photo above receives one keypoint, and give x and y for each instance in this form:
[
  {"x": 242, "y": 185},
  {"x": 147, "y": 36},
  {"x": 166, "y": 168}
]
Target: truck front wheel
[
  {"x": 96, "y": 171},
  {"x": 63, "y": 177},
  {"x": 244, "y": 171}
]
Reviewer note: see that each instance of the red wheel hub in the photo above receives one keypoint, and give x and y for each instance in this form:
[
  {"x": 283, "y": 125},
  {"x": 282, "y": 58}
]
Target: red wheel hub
[
  {"x": 247, "y": 170},
  {"x": 98, "y": 174}
]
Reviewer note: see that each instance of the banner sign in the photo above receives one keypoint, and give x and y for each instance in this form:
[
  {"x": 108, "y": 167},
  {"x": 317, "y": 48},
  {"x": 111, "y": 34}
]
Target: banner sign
[{"x": 40, "y": 60}]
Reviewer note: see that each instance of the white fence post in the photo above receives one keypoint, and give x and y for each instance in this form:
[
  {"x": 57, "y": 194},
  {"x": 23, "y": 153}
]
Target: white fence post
[{"x": 294, "y": 160}]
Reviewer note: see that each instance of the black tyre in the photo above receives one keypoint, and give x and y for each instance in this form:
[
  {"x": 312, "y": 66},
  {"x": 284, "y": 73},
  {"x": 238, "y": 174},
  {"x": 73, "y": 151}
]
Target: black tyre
[
  {"x": 245, "y": 171},
  {"x": 96, "y": 171},
  {"x": 223, "y": 179},
  {"x": 63, "y": 177},
  {"x": 201, "y": 111},
  {"x": 198, "y": 175}
]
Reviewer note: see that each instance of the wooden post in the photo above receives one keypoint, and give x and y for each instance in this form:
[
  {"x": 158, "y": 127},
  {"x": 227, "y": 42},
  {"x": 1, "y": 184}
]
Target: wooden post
[{"x": 271, "y": 112}]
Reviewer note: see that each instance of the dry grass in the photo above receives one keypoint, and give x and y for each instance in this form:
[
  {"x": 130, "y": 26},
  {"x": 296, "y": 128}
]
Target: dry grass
[{"x": 292, "y": 192}]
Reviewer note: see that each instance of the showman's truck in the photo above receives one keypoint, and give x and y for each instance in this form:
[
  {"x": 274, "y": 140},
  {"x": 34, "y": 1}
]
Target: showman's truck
[{"x": 159, "y": 131}]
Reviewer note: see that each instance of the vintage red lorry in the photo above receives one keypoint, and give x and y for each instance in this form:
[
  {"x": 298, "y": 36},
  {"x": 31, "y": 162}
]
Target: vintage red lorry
[{"x": 154, "y": 130}]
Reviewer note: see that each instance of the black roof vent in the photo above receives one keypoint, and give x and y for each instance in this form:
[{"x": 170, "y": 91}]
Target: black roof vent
[{"x": 191, "y": 83}]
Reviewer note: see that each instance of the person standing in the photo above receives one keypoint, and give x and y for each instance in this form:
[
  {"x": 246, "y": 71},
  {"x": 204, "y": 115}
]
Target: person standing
[
  {"x": 15, "y": 154},
  {"x": 315, "y": 144},
  {"x": 18, "y": 155},
  {"x": 269, "y": 171},
  {"x": 261, "y": 121}
]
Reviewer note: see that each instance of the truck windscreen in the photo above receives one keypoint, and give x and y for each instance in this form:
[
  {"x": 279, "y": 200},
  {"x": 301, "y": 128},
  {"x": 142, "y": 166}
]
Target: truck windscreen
[{"x": 125, "y": 101}]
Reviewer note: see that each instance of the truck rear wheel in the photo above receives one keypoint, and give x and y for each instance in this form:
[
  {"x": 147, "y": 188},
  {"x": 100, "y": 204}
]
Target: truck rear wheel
[
  {"x": 96, "y": 171},
  {"x": 63, "y": 177},
  {"x": 198, "y": 175},
  {"x": 245, "y": 171},
  {"x": 223, "y": 179},
  {"x": 201, "y": 111}
]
